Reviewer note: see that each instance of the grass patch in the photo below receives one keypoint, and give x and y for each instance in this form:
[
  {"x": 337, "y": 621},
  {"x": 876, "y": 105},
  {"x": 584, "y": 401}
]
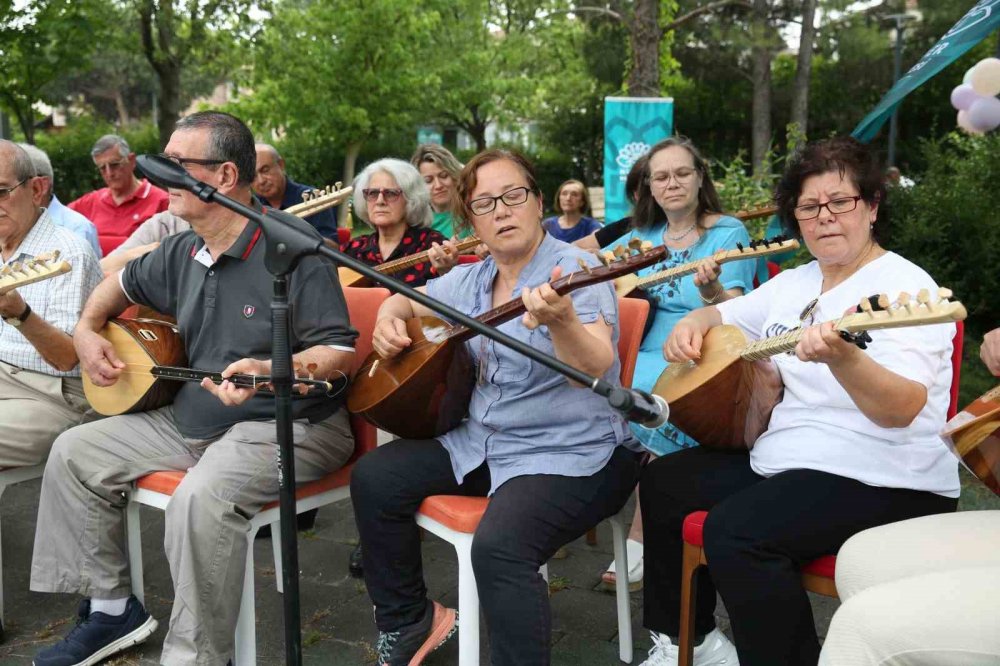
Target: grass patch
[{"x": 558, "y": 584}]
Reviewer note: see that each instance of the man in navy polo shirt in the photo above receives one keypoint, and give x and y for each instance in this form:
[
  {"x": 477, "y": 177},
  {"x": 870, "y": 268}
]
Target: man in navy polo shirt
[
  {"x": 277, "y": 190},
  {"x": 212, "y": 279}
]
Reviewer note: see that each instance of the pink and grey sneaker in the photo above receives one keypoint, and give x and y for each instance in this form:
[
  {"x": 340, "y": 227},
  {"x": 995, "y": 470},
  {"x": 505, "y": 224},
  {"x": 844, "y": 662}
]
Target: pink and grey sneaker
[{"x": 410, "y": 645}]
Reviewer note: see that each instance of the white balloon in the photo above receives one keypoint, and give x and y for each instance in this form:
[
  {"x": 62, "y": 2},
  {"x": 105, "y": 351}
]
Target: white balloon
[
  {"x": 963, "y": 96},
  {"x": 985, "y": 78},
  {"x": 965, "y": 124},
  {"x": 968, "y": 75},
  {"x": 984, "y": 114}
]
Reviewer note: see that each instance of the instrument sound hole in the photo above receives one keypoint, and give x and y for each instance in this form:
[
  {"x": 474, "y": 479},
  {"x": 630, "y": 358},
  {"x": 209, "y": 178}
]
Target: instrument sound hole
[{"x": 147, "y": 335}]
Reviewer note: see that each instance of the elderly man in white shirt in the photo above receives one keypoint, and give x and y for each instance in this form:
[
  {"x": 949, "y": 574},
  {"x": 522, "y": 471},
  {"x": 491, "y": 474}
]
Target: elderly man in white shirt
[{"x": 41, "y": 393}]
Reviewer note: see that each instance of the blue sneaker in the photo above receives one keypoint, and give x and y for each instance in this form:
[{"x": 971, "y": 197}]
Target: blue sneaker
[{"x": 97, "y": 636}]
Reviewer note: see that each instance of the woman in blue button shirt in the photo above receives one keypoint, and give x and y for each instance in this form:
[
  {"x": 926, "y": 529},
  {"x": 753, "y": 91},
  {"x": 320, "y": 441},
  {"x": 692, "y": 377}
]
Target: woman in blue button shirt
[{"x": 551, "y": 473}]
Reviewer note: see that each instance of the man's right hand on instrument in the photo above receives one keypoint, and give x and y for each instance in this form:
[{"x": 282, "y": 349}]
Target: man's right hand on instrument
[
  {"x": 390, "y": 337},
  {"x": 684, "y": 343},
  {"x": 97, "y": 357}
]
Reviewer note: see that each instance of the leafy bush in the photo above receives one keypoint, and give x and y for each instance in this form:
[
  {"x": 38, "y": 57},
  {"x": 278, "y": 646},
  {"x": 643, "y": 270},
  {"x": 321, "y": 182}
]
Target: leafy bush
[
  {"x": 69, "y": 151},
  {"x": 948, "y": 224}
]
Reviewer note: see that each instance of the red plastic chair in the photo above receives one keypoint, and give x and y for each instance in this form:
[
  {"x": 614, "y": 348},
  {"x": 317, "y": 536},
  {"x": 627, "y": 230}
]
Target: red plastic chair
[
  {"x": 817, "y": 576},
  {"x": 467, "y": 259},
  {"x": 455, "y": 518},
  {"x": 157, "y": 488}
]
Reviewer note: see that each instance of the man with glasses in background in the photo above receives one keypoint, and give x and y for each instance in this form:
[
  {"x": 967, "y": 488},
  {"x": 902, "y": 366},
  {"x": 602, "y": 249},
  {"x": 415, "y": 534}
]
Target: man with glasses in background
[
  {"x": 40, "y": 389},
  {"x": 212, "y": 279},
  {"x": 118, "y": 209},
  {"x": 275, "y": 189}
]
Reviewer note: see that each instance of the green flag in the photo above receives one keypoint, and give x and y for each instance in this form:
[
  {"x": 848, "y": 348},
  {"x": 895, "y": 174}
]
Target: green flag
[{"x": 979, "y": 22}]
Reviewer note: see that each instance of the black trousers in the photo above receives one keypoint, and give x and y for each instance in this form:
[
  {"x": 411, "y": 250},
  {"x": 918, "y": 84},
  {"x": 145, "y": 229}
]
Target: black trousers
[
  {"x": 528, "y": 519},
  {"x": 758, "y": 534}
]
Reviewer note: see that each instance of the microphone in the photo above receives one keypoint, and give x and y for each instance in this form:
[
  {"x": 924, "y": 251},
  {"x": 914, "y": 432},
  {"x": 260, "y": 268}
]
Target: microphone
[
  {"x": 649, "y": 411},
  {"x": 166, "y": 173}
]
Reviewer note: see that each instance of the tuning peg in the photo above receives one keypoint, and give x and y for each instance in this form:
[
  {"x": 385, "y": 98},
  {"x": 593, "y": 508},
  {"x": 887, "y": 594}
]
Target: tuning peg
[
  {"x": 944, "y": 293},
  {"x": 620, "y": 251},
  {"x": 338, "y": 185},
  {"x": 924, "y": 297},
  {"x": 739, "y": 246},
  {"x": 905, "y": 301},
  {"x": 865, "y": 306},
  {"x": 583, "y": 265},
  {"x": 635, "y": 244},
  {"x": 883, "y": 302},
  {"x": 607, "y": 258},
  {"x": 646, "y": 246}
]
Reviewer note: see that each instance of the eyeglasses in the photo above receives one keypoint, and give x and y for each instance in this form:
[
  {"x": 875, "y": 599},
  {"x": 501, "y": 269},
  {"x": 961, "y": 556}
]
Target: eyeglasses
[
  {"x": 682, "y": 176},
  {"x": 185, "y": 161},
  {"x": 112, "y": 166},
  {"x": 512, "y": 197},
  {"x": 390, "y": 194},
  {"x": 835, "y": 206},
  {"x": 5, "y": 191}
]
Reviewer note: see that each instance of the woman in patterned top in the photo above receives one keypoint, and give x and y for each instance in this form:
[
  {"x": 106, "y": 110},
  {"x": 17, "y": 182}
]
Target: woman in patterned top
[{"x": 390, "y": 196}]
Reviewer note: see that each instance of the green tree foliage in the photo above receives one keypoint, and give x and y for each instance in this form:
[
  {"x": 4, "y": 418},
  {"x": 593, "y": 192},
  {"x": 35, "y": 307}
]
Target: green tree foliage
[
  {"x": 947, "y": 224},
  {"x": 39, "y": 41},
  {"x": 342, "y": 73}
]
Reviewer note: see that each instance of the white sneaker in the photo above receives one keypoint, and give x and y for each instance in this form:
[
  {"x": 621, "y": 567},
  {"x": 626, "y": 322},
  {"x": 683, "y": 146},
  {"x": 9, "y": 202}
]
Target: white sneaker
[{"x": 715, "y": 650}]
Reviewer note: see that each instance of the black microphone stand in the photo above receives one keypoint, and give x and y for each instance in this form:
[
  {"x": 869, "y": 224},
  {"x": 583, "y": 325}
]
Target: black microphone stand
[{"x": 287, "y": 239}]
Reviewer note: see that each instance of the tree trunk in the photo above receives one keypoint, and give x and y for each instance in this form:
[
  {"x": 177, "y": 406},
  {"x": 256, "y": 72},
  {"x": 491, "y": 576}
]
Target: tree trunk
[
  {"x": 350, "y": 161},
  {"x": 803, "y": 69},
  {"x": 644, "y": 38},
  {"x": 761, "y": 77},
  {"x": 26, "y": 119},
  {"x": 169, "y": 100},
  {"x": 123, "y": 118}
]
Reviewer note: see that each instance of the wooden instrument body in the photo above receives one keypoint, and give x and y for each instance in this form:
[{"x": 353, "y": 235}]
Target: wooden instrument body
[
  {"x": 974, "y": 435},
  {"x": 421, "y": 393},
  {"x": 722, "y": 401},
  {"x": 349, "y": 278},
  {"x": 141, "y": 343}
]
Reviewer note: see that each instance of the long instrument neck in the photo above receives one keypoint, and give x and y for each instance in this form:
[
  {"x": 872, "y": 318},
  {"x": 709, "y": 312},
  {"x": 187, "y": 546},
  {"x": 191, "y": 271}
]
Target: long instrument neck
[
  {"x": 402, "y": 264},
  {"x": 239, "y": 379},
  {"x": 768, "y": 347}
]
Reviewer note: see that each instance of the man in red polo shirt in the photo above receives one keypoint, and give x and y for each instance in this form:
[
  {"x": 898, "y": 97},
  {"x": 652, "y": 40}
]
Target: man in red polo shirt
[{"x": 126, "y": 202}]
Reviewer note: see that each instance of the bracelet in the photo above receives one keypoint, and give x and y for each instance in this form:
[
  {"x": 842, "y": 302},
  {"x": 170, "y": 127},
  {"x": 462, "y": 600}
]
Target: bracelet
[{"x": 714, "y": 299}]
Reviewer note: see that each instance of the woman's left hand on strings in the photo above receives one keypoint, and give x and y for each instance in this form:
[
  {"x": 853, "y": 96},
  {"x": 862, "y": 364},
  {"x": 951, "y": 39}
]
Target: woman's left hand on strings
[
  {"x": 545, "y": 307},
  {"x": 443, "y": 256},
  {"x": 822, "y": 344}
]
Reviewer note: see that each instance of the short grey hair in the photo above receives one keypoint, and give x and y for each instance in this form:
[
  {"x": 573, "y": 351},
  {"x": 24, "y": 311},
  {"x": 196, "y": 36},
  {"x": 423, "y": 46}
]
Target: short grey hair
[
  {"x": 229, "y": 139},
  {"x": 408, "y": 179},
  {"x": 23, "y": 168},
  {"x": 109, "y": 141},
  {"x": 43, "y": 167},
  {"x": 269, "y": 148}
]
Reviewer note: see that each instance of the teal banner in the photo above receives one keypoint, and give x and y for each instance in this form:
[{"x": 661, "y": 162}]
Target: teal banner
[
  {"x": 631, "y": 126},
  {"x": 979, "y": 22}
]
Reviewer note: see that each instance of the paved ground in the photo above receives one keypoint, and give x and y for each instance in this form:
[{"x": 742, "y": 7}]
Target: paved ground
[{"x": 336, "y": 616}]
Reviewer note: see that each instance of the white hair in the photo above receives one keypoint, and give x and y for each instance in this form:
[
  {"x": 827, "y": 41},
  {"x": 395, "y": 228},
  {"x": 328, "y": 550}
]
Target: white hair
[
  {"x": 39, "y": 160},
  {"x": 408, "y": 179}
]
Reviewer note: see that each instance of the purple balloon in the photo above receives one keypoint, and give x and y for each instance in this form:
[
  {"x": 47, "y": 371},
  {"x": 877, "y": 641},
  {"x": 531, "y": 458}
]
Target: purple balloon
[
  {"x": 984, "y": 113},
  {"x": 963, "y": 96}
]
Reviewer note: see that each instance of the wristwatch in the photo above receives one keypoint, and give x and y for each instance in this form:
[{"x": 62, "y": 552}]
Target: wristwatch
[{"x": 19, "y": 319}]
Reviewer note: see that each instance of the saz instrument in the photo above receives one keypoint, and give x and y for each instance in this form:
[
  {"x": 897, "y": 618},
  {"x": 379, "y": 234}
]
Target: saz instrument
[
  {"x": 154, "y": 357},
  {"x": 42, "y": 267},
  {"x": 315, "y": 201},
  {"x": 724, "y": 400},
  {"x": 974, "y": 436},
  {"x": 425, "y": 390},
  {"x": 626, "y": 284},
  {"x": 754, "y": 213},
  {"x": 349, "y": 278}
]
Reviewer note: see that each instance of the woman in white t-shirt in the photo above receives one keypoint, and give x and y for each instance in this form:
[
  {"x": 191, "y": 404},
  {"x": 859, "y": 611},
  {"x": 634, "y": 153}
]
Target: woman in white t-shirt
[{"x": 852, "y": 444}]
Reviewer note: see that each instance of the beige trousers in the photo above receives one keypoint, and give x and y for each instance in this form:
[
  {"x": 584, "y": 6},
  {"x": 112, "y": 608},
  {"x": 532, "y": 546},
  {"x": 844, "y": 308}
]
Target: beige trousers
[
  {"x": 921, "y": 592},
  {"x": 80, "y": 539},
  {"x": 34, "y": 409}
]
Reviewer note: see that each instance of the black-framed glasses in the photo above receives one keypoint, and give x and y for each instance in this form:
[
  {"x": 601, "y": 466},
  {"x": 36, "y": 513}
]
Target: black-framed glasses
[
  {"x": 390, "y": 194},
  {"x": 835, "y": 206},
  {"x": 512, "y": 197},
  {"x": 185, "y": 161},
  {"x": 6, "y": 191}
]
